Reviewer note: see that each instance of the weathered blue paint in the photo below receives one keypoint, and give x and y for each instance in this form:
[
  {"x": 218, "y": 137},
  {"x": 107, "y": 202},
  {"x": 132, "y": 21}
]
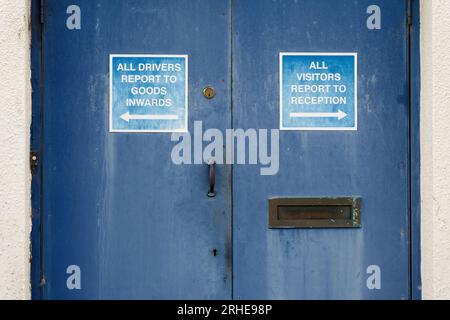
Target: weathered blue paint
[
  {"x": 114, "y": 204},
  {"x": 414, "y": 75},
  {"x": 140, "y": 227},
  {"x": 149, "y": 93},
  {"x": 318, "y": 91},
  {"x": 372, "y": 162}
]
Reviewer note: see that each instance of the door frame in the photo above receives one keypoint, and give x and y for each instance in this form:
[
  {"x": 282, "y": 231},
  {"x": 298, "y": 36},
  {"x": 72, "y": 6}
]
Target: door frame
[{"x": 37, "y": 277}]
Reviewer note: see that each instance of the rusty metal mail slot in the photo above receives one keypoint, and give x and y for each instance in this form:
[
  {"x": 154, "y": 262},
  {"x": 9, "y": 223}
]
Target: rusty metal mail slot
[{"x": 315, "y": 212}]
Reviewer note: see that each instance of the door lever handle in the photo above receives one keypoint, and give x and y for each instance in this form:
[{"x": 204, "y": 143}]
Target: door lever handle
[{"x": 212, "y": 179}]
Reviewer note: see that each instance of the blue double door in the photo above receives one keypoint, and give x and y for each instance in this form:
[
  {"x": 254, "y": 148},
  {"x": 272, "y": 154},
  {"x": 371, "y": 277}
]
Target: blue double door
[{"x": 121, "y": 220}]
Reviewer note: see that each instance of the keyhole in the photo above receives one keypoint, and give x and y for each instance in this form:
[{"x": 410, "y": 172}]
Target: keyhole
[
  {"x": 209, "y": 92},
  {"x": 214, "y": 252}
]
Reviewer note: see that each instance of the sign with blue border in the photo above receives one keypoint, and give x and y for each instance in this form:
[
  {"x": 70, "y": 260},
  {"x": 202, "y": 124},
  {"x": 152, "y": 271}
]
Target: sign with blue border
[
  {"x": 148, "y": 93},
  {"x": 318, "y": 91}
]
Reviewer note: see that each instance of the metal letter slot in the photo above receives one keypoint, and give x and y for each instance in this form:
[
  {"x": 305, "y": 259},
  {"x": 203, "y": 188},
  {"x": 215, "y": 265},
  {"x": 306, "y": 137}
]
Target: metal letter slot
[{"x": 315, "y": 212}]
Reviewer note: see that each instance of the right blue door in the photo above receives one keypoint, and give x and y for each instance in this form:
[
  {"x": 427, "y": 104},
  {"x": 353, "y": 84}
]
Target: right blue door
[{"x": 367, "y": 159}]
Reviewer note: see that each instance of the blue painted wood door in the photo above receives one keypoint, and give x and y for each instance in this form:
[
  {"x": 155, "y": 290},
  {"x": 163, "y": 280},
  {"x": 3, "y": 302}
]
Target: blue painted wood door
[
  {"x": 371, "y": 163},
  {"x": 139, "y": 226}
]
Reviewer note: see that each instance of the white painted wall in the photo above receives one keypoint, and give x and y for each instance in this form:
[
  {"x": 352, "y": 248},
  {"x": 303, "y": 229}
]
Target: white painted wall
[
  {"x": 435, "y": 148},
  {"x": 15, "y": 111}
]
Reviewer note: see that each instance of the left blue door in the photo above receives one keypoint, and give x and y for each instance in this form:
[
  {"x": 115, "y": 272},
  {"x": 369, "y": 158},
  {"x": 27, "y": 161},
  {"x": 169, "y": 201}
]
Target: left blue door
[{"x": 115, "y": 207}]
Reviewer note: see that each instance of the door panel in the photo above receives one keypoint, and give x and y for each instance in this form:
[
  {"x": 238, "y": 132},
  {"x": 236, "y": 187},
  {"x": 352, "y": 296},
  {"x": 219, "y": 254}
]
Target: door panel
[
  {"x": 115, "y": 205},
  {"x": 139, "y": 226},
  {"x": 371, "y": 163}
]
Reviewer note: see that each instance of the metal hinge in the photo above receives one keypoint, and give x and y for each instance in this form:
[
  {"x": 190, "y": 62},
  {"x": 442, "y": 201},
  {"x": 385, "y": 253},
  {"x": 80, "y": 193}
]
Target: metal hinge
[
  {"x": 33, "y": 162},
  {"x": 409, "y": 17},
  {"x": 41, "y": 12}
]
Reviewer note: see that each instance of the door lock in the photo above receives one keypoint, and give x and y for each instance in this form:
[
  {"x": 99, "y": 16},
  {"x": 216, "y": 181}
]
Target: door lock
[{"x": 209, "y": 92}]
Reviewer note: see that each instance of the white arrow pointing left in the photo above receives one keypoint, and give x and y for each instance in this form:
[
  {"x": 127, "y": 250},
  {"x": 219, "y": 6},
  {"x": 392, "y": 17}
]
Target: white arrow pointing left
[{"x": 127, "y": 117}]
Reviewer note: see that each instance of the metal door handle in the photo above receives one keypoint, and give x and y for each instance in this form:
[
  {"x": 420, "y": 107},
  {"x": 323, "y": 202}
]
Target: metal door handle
[{"x": 212, "y": 179}]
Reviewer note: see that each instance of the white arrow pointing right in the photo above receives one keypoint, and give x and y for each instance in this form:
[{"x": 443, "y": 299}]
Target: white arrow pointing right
[{"x": 339, "y": 114}]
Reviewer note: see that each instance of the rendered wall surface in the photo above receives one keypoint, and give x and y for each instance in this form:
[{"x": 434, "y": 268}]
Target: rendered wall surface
[
  {"x": 15, "y": 115},
  {"x": 435, "y": 148}
]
